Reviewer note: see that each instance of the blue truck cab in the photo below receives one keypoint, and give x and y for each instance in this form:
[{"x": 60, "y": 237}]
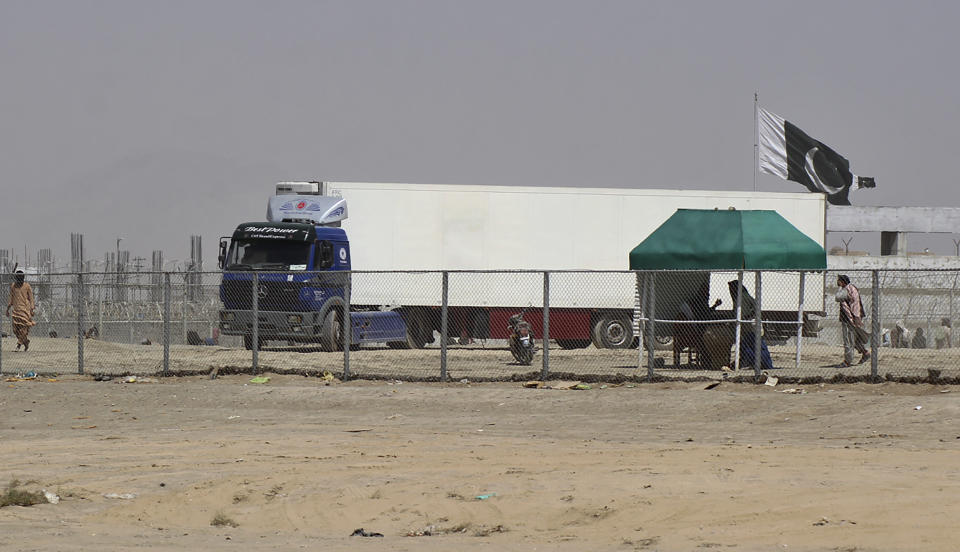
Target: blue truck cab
[{"x": 300, "y": 260}]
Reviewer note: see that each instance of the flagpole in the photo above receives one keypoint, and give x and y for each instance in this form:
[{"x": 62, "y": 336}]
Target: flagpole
[{"x": 756, "y": 138}]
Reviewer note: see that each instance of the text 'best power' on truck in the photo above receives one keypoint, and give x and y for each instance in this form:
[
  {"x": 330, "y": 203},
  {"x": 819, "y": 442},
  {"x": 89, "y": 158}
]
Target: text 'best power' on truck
[{"x": 301, "y": 254}]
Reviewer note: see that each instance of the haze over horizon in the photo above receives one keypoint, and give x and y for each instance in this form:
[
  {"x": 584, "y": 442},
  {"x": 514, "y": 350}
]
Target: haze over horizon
[{"x": 155, "y": 121}]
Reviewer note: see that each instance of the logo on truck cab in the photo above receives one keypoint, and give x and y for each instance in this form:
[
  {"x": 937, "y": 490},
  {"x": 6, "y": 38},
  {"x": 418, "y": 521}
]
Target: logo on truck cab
[{"x": 269, "y": 230}]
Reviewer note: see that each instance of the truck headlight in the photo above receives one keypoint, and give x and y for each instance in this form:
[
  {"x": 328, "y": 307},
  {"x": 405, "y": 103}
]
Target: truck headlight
[
  {"x": 226, "y": 316},
  {"x": 294, "y": 318}
]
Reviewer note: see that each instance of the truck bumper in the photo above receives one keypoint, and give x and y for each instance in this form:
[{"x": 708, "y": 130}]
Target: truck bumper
[
  {"x": 293, "y": 326},
  {"x": 367, "y": 327}
]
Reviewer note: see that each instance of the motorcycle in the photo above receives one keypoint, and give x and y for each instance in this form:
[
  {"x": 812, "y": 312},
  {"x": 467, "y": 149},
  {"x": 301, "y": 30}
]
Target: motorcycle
[{"x": 522, "y": 342}]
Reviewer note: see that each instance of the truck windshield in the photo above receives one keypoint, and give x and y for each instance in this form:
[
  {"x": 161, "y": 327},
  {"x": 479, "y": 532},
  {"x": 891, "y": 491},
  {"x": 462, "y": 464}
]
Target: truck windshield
[{"x": 267, "y": 254}]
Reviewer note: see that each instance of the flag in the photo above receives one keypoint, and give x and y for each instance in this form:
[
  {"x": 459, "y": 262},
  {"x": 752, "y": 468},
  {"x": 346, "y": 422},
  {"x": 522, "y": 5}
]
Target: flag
[{"x": 788, "y": 152}]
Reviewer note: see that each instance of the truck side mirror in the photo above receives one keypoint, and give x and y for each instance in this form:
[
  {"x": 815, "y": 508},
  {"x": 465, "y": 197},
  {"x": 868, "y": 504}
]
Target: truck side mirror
[{"x": 222, "y": 257}]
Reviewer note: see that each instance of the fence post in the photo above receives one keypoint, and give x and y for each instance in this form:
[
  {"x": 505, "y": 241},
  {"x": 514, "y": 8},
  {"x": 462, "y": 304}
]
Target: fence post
[
  {"x": 875, "y": 324},
  {"x": 546, "y": 326},
  {"x": 166, "y": 324},
  {"x": 739, "y": 313},
  {"x": 640, "y": 307},
  {"x": 757, "y": 327},
  {"x": 651, "y": 321},
  {"x": 800, "y": 306},
  {"x": 2, "y": 283},
  {"x": 80, "y": 324},
  {"x": 953, "y": 289},
  {"x": 347, "y": 334},
  {"x": 100, "y": 328},
  {"x": 183, "y": 310},
  {"x": 444, "y": 322},
  {"x": 255, "y": 329}
]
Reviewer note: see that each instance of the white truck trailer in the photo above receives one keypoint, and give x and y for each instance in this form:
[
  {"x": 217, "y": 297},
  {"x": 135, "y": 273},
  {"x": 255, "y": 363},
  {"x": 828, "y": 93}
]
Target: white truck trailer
[{"x": 431, "y": 227}]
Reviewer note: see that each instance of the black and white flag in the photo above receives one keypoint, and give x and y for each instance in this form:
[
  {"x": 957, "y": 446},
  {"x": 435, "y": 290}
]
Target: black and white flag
[{"x": 787, "y": 152}]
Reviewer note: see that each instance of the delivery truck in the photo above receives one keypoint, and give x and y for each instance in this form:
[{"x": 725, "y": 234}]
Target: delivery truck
[{"x": 477, "y": 232}]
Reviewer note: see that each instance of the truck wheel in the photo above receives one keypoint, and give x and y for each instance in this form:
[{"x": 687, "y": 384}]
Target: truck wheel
[
  {"x": 660, "y": 343},
  {"x": 613, "y": 332},
  {"x": 330, "y": 336},
  {"x": 418, "y": 330},
  {"x": 573, "y": 343}
]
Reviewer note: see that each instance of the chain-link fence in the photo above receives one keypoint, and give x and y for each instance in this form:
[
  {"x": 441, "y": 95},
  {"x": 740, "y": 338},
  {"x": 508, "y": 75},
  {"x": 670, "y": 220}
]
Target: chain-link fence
[{"x": 586, "y": 325}]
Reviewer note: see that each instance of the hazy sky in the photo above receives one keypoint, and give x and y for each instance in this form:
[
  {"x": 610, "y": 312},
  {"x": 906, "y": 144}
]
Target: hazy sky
[{"x": 157, "y": 120}]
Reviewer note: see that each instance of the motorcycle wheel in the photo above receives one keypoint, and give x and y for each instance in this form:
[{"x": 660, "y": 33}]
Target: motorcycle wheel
[
  {"x": 515, "y": 351},
  {"x": 526, "y": 356}
]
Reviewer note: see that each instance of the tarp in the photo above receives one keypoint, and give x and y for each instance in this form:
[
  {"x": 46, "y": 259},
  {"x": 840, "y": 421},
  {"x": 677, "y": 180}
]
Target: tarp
[{"x": 696, "y": 239}]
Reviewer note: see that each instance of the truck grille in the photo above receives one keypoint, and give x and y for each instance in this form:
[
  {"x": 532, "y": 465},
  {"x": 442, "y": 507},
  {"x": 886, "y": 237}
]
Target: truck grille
[{"x": 273, "y": 296}]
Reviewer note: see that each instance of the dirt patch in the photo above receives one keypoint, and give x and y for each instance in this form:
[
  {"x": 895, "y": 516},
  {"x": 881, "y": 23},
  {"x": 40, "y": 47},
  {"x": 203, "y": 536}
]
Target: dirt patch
[{"x": 303, "y": 462}]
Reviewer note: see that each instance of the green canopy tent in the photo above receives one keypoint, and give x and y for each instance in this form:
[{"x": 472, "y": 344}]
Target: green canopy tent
[
  {"x": 714, "y": 240},
  {"x": 697, "y": 239}
]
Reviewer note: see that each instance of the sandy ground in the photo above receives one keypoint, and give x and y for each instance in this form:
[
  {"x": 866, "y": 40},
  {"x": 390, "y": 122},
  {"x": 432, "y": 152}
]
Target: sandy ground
[
  {"x": 491, "y": 361},
  {"x": 300, "y": 463}
]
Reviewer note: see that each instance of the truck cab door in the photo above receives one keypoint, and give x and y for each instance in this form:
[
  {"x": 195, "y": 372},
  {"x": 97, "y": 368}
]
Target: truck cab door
[{"x": 222, "y": 257}]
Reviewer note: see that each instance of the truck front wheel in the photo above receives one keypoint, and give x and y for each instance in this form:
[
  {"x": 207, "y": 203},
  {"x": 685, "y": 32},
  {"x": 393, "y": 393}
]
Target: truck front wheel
[{"x": 330, "y": 336}]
